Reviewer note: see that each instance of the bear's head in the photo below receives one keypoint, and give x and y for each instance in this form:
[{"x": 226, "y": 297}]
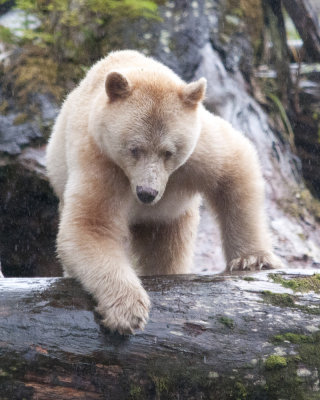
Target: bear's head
[{"x": 148, "y": 123}]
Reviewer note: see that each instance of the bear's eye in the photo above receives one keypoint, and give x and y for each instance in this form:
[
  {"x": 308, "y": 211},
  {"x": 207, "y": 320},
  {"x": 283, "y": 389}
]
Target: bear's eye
[
  {"x": 135, "y": 152},
  {"x": 167, "y": 154}
]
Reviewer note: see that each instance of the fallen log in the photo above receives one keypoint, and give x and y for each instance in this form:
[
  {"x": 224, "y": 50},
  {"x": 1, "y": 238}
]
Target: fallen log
[
  {"x": 218, "y": 337},
  {"x": 306, "y": 22}
]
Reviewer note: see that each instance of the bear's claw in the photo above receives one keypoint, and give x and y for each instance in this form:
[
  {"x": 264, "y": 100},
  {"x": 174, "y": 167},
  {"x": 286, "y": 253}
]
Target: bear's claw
[{"x": 255, "y": 262}]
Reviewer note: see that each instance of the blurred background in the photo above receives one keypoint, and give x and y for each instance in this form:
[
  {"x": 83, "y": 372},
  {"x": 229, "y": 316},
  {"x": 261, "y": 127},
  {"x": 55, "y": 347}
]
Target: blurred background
[{"x": 262, "y": 63}]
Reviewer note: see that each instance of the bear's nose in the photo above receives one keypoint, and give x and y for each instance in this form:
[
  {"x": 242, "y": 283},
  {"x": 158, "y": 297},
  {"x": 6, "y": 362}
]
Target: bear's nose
[{"x": 146, "y": 194}]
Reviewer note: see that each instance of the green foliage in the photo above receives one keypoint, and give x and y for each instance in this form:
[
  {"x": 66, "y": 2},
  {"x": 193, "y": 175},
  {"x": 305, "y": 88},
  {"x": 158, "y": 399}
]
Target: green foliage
[
  {"x": 41, "y": 38},
  {"x": 284, "y": 117}
]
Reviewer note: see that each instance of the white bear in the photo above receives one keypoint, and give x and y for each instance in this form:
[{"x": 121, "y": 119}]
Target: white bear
[{"x": 131, "y": 152}]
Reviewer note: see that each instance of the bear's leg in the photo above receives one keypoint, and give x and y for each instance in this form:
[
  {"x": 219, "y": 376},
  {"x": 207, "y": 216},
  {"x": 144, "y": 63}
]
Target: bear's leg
[
  {"x": 227, "y": 171},
  {"x": 245, "y": 237},
  {"x": 238, "y": 203},
  {"x": 99, "y": 262},
  {"x": 162, "y": 248},
  {"x": 93, "y": 242}
]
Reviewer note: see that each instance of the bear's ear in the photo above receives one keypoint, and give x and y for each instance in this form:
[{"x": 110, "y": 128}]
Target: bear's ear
[
  {"x": 194, "y": 92},
  {"x": 117, "y": 86}
]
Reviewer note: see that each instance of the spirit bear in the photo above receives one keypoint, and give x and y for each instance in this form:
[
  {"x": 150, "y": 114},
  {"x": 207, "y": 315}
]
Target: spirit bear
[{"x": 130, "y": 154}]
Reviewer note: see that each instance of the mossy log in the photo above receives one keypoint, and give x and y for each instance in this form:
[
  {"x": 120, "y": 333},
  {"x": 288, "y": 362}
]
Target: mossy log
[{"x": 218, "y": 337}]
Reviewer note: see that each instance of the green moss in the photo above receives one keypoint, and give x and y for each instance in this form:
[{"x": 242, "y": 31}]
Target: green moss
[
  {"x": 188, "y": 379},
  {"x": 136, "y": 393},
  {"x": 275, "y": 362},
  {"x": 279, "y": 299},
  {"x": 284, "y": 382},
  {"x": 228, "y": 322},
  {"x": 302, "y": 236},
  {"x": 243, "y": 16},
  {"x": 35, "y": 71},
  {"x": 21, "y": 119},
  {"x": 237, "y": 11},
  {"x": 3, "y": 373},
  {"x": 301, "y": 284},
  {"x": 248, "y": 278},
  {"x": 4, "y": 107},
  {"x": 287, "y": 300},
  {"x": 161, "y": 384},
  {"x": 240, "y": 391},
  {"x": 310, "y": 310},
  {"x": 67, "y": 40},
  {"x": 293, "y": 338},
  {"x": 309, "y": 349},
  {"x": 304, "y": 203}
]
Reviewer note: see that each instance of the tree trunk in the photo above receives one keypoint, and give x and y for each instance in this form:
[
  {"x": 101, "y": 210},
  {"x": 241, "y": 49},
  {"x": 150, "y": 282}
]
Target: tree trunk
[
  {"x": 305, "y": 20},
  {"x": 207, "y": 338},
  {"x": 275, "y": 22}
]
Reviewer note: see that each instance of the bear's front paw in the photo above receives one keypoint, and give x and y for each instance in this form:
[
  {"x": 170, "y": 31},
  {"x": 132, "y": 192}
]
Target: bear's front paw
[
  {"x": 126, "y": 312},
  {"x": 255, "y": 262}
]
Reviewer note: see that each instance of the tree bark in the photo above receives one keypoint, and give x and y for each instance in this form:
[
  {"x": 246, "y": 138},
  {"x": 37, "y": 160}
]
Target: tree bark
[
  {"x": 305, "y": 20},
  {"x": 274, "y": 20},
  {"x": 207, "y": 338}
]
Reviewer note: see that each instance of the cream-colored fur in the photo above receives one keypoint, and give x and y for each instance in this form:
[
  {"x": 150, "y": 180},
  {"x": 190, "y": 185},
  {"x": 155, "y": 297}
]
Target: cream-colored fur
[{"x": 132, "y": 123}]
